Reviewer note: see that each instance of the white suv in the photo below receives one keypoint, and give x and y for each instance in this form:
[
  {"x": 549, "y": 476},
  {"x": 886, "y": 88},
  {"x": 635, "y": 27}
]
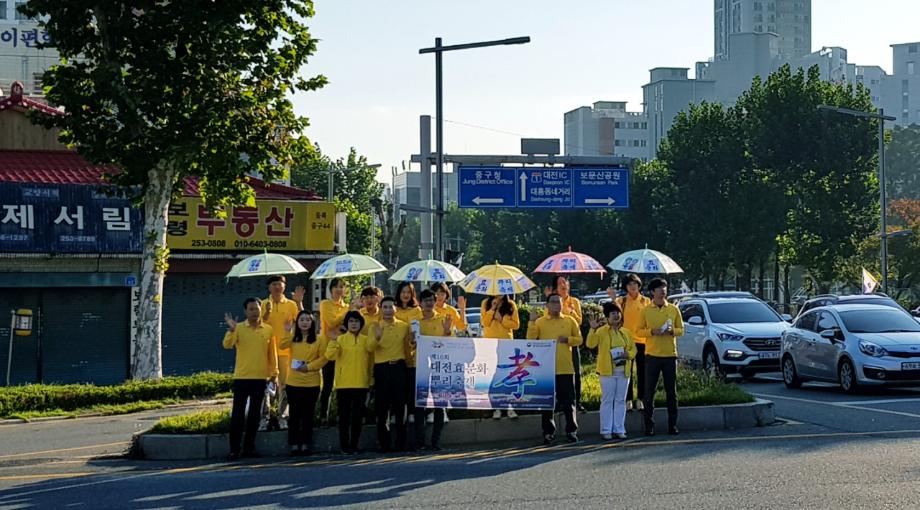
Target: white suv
[{"x": 730, "y": 332}]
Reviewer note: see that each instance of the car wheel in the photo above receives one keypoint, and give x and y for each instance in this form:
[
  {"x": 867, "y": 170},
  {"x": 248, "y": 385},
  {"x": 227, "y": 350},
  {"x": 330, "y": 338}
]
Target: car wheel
[
  {"x": 790, "y": 374},
  {"x": 711, "y": 363},
  {"x": 846, "y": 374}
]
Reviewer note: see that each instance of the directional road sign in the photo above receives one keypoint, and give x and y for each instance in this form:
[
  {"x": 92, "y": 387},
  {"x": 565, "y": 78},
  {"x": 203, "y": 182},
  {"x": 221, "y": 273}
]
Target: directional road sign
[{"x": 544, "y": 187}]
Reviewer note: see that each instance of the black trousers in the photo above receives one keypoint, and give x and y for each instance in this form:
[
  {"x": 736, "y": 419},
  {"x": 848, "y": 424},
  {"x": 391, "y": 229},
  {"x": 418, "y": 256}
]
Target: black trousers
[
  {"x": 565, "y": 402},
  {"x": 667, "y": 368},
  {"x": 390, "y": 399},
  {"x": 302, "y": 403},
  {"x": 576, "y": 362},
  {"x": 328, "y": 380},
  {"x": 639, "y": 380},
  {"x": 253, "y": 391},
  {"x": 351, "y": 417},
  {"x": 420, "y": 422}
]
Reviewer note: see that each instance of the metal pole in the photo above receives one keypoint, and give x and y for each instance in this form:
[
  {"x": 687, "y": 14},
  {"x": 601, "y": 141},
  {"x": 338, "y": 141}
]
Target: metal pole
[
  {"x": 9, "y": 356},
  {"x": 883, "y": 198},
  {"x": 425, "y": 150},
  {"x": 439, "y": 147},
  {"x": 331, "y": 186}
]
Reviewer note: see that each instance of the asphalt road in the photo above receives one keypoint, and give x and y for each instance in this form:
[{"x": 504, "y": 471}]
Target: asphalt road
[{"x": 830, "y": 450}]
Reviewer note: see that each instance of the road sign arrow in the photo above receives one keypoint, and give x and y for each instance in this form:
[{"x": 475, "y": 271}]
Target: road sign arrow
[
  {"x": 523, "y": 187},
  {"x": 594, "y": 201},
  {"x": 479, "y": 201}
]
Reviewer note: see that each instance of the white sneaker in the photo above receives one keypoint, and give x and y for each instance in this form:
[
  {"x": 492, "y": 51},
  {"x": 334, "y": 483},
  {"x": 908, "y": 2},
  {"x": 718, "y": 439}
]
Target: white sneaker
[
  {"x": 446, "y": 418},
  {"x": 511, "y": 414},
  {"x": 282, "y": 423},
  {"x": 621, "y": 436},
  {"x": 606, "y": 437},
  {"x": 429, "y": 418},
  {"x": 629, "y": 405},
  {"x": 497, "y": 415},
  {"x": 392, "y": 420},
  {"x": 639, "y": 405},
  {"x": 412, "y": 416},
  {"x": 263, "y": 425}
]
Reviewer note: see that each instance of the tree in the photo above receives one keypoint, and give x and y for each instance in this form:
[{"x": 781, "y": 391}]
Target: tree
[
  {"x": 824, "y": 163},
  {"x": 902, "y": 157},
  {"x": 164, "y": 90},
  {"x": 355, "y": 191}
]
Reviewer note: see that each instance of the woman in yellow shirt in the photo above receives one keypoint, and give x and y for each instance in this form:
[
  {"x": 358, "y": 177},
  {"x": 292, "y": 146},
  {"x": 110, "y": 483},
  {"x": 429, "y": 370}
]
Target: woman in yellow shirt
[
  {"x": 442, "y": 307},
  {"x": 499, "y": 317},
  {"x": 308, "y": 357},
  {"x": 407, "y": 308},
  {"x": 331, "y": 314},
  {"x": 349, "y": 350},
  {"x": 632, "y": 304},
  {"x": 616, "y": 351}
]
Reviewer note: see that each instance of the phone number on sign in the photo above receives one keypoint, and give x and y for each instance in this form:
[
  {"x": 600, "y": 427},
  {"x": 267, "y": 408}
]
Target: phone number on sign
[
  {"x": 209, "y": 243},
  {"x": 260, "y": 244}
]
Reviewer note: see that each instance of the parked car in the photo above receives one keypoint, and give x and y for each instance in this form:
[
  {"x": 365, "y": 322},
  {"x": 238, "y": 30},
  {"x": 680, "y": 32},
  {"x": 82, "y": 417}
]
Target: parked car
[
  {"x": 853, "y": 345},
  {"x": 730, "y": 332},
  {"x": 473, "y": 323},
  {"x": 852, "y": 299}
]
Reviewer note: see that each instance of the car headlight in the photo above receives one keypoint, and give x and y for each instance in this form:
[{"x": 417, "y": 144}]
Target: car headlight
[
  {"x": 729, "y": 337},
  {"x": 872, "y": 349}
]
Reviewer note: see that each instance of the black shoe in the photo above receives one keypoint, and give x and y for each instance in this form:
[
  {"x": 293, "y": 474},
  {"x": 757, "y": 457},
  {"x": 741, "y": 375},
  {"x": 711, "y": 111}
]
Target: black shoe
[
  {"x": 649, "y": 431},
  {"x": 435, "y": 448},
  {"x": 296, "y": 453},
  {"x": 571, "y": 438},
  {"x": 673, "y": 431},
  {"x": 233, "y": 456},
  {"x": 250, "y": 455},
  {"x": 548, "y": 439},
  {"x": 581, "y": 409}
]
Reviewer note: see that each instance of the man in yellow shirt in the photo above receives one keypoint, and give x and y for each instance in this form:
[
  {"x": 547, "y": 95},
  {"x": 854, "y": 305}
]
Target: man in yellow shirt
[
  {"x": 390, "y": 341},
  {"x": 279, "y": 312},
  {"x": 660, "y": 324},
  {"x": 256, "y": 362},
  {"x": 431, "y": 324},
  {"x": 632, "y": 304},
  {"x": 567, "y": 334}
]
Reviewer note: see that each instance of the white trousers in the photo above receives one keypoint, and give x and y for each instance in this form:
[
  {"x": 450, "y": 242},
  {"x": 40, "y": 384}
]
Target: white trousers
[{"x": 613, "y": 403}]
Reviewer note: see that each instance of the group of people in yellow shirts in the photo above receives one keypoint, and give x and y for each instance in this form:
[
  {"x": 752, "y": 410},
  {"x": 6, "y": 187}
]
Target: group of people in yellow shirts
[{"x": 371, "y": 342}]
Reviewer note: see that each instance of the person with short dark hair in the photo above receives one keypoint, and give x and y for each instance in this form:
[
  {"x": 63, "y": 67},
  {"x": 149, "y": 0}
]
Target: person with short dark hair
[
  {"x": 567, "y": 333},
  {"x": 660, "y": 324},
  {"x": 308, "y": 357},
  {"x": 442, "y": 306},
  {"x": 632, "y": 304},
  {"x": 256, "y": 363},
  {"x": 332, "y": 312},
  {"x": 349, "y": 350},
  {"x": 571, "y": 306},
  {"x": 390, "y": 343},
  {"x": 431, "y": 324},
  {"x": 615, "y": 353}
]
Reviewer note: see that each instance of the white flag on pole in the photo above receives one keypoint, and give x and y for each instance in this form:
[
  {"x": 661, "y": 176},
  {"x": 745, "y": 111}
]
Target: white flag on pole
[{"x": 869, "y": 283}]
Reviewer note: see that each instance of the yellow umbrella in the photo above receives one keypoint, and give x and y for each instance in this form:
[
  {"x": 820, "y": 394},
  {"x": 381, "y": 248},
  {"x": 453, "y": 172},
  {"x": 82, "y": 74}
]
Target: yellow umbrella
[{"x": 496, "y": 280}]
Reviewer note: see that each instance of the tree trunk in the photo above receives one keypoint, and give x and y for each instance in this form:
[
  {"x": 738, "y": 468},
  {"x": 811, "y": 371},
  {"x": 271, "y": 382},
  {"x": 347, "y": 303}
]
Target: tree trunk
[
  {"x": 788, "y": 293},
  {"x": 760, "y": 265},
  {"x": 776, "y": 276},
  {"x": 147, "y": 359}
]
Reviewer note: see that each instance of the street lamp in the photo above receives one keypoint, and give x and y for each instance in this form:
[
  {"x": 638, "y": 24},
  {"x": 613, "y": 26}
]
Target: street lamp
[
  {"x": 438, "y": 50},
  {"x": 883, "y": 196}
]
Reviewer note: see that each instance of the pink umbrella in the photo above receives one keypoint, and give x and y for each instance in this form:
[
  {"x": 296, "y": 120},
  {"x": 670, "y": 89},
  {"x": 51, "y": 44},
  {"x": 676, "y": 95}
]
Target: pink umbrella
[{"x": 570, "y": 262}]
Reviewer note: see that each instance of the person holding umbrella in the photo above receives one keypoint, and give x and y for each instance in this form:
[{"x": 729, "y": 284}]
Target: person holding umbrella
[
  {"x": 571, "y": 306},
  {"x": 407, "y": 308}
]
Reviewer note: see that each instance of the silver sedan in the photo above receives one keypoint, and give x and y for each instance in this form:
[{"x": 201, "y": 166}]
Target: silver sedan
[{"x": 852, "y": 345}]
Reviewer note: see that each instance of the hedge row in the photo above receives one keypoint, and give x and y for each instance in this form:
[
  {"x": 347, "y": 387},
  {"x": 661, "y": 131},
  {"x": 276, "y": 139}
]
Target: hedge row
[{"x": 45, "y": 397}]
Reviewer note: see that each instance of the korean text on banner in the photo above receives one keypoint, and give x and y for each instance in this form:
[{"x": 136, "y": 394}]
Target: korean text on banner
[
  {"x": 271, "y": 224},
  {"x": 485, "y": 373}
]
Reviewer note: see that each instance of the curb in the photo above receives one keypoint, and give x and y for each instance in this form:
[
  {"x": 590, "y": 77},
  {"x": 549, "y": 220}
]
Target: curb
[
  {"x": 460, "y": 432},
  {"x": 189, "y": 404}
]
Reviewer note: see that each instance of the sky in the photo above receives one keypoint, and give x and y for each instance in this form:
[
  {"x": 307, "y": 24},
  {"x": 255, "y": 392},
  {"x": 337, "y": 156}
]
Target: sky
[{"x": 581, "y": 51}]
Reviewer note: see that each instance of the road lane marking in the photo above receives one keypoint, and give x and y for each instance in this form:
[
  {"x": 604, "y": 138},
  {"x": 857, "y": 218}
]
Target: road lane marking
[
  {"x": 59, "y": 450},
  {"x": 843, "y": 405},
  {"x": 886, "y": 401}
]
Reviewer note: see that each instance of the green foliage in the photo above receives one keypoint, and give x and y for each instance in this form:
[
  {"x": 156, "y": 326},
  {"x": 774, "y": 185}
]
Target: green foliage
[
  {"x": 70, "y": 397},
  {"x": 201, "y": 422},
  {"x": 902, "y": 159},
  {"x": 101, "y": 409}
]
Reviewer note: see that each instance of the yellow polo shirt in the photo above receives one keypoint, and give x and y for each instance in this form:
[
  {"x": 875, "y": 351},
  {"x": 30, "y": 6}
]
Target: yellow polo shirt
[
  {"x": 256, "y": 355},
  {"x": 571, "y": 306},
  {"x": 457, "y": 320},
  {"x": 331, "y": 315},
  {"x": 407, "y": 315},
  {"x": 653, "y": 317},
  {"x": 493, "y": 328},
  {"x": 351, "y": 361},
  {"x": 313, "y": 354},
  {"x": 549, "y": 328},
  {"x": 393, "y": 343},
  {"x": 632, "y": 314},
  {"x": 427, "y": 327},
  {"x": 281, "y": 313}
]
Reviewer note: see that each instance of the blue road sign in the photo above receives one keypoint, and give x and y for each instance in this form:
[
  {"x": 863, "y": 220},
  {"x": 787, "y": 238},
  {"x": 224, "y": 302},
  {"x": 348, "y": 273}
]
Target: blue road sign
[
  {"x": 601, "y": 187},
  {"x": 544, "y": 187},
  {"x": 538, "y": 187},
  {"x": 487, "y": 186}
]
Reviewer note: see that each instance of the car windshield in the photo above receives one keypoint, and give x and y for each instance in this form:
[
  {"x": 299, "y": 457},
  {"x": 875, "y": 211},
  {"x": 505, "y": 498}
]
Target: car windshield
[
  {"x": 742, "y": 312},
  {"x": 879, "y": 321}
]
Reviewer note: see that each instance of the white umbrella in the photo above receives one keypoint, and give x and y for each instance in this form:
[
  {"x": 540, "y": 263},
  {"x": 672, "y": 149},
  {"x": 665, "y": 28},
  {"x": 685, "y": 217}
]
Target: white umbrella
[
  {"x": 265, "y": 264},
  {"x": 347, "y": 264},
  {"x": 644, "y": 261},
  {"x": 428, "y": 271}
]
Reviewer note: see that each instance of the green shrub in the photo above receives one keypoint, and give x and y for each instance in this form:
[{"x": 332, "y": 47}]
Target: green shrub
[
  {"x": 47, "y": 397},
  {"x": 201, "y": 422}
]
